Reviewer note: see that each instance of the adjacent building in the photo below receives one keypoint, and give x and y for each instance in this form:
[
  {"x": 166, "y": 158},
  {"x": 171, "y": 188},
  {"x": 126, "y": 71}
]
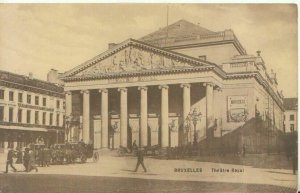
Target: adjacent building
[
  {"x": 175, "y": 86},
  {"x": 31, "y": 111},
  {"x": 290, "y": 114}
]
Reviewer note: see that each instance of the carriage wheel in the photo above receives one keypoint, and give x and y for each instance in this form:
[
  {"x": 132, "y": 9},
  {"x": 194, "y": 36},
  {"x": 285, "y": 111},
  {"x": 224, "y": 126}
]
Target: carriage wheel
[{"x": 95, "y": 156}]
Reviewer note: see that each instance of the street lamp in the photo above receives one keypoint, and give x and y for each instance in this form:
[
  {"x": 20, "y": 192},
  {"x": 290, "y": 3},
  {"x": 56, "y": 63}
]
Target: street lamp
[
  {"x": 194, "y": 116},
  {"x": 115, "y": 128},
  {"x": 68, "y": 124},
  {"x": 172, "y": 128}
]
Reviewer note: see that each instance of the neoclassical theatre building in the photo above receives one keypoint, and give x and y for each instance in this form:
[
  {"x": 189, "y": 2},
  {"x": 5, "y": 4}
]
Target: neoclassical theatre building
[{"x": 171, "y": 87}]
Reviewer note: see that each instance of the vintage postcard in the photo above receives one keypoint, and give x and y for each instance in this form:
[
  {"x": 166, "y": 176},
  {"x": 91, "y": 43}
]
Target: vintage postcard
[{"x": 130, "y": 98}]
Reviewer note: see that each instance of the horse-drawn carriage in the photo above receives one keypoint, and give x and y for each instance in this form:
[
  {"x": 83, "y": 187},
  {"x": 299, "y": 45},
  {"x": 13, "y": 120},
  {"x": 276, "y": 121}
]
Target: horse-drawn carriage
[
  {"x": 79, "y": 151},
  {"x": 73, "y": 152}
]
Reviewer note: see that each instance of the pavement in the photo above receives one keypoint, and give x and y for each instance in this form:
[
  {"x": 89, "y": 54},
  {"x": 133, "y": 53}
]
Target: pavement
[{"x": 172, "y": 170}]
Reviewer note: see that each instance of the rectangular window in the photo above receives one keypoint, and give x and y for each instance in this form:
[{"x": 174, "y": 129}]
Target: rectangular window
[
  {"x": 57, "y": 119},
  {"x": 1, "y": 113},
  {"x": 36, "y": 99},
  {"x": 1, "y": 94},
  {"x": 28, "y": 99},
  {"x": 28, "y": 116},
  {"x": 292, "y": 127},
  {"x": 44, "y": 102},
  {"x": 11, "y": 96},
  {"x": 51, "y": 119},
  {"x": 44, "y": 118},
  {"x": 20, "y": 97},
  {"x": 1, "y": 141},
  {"x": 20, "y": 115},
  {"x": 57, "y": 104},
  {"x": 11, "y": 114},
  {"x": 292, "y": 117},
  {"x": 36, "y": 117}
]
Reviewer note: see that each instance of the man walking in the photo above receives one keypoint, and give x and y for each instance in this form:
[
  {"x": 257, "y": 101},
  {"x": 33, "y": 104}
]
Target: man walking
[
  {"x": 140, "y": 160},
  {"x": 9, "y": 160}
]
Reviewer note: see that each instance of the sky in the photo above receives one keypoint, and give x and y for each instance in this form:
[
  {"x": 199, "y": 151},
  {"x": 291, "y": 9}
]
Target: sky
[{"x": 38, "y": 37}]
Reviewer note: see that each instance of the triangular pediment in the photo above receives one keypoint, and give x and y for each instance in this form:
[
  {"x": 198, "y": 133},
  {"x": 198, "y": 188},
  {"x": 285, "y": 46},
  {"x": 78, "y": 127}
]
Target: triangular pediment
[{"x": 133, "y": 56}]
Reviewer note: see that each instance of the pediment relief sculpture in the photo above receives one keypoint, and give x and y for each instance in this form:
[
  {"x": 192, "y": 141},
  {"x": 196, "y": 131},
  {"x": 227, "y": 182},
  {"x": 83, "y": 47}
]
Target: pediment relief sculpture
[{"x": 131, "y": 59}]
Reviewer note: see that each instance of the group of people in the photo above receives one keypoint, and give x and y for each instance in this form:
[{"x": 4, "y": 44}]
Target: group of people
[{"x": 28, "y": 160}]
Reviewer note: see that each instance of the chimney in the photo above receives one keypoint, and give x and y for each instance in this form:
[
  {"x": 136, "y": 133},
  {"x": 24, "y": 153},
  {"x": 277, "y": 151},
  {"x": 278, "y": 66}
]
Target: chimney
[
  {"x": 258, "y": 53},
  {"x": 111, "y": 45},
  {"x": 30, "y": 76}
]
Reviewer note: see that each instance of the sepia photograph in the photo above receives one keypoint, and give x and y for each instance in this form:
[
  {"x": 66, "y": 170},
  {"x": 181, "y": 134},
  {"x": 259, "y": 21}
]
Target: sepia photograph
[{"x": 148, "y": 98}]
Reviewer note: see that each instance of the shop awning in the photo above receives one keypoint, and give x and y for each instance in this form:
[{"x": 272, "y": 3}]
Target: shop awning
[{"x": 14, "y": 127}]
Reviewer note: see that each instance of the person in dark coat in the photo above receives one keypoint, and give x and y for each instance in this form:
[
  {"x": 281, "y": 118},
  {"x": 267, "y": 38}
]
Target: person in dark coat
[
  {"x": 9, "y": 160},
  {"x": 26, "y": 159},
  {"x": 47, "y": 156},
  {"x": 134, "y": 146},
  {"x": 140, "y": 160},
  {"x": 19, "y": 156}
]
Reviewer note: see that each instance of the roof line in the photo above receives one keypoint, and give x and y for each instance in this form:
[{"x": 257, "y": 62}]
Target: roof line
[{"x": 123, "y": 44}]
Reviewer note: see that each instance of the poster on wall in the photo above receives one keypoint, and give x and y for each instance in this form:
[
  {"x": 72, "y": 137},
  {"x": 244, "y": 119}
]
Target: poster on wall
[{"x": 237, "y": 109}]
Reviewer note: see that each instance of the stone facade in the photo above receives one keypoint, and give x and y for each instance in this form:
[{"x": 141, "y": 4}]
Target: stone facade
[
  {"x": 29, "y": 109},
  {"x": 138, "y": 92}
]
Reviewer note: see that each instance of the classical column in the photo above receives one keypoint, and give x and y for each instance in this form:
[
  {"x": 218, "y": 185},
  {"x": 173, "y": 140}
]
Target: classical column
[
  {"x": 209, "y": 105},
  {"x": 68, "y": 96},
  {"x": 104, "y": 117},
  {"x": 164, "y": 115},
  {"x": 123, "y": 117},
  {"x": 68, "y": 103},
  {"x": 144, "y": 116},
  {"x": 186, "y": 102},
  {"x": 86, "y": 116}
]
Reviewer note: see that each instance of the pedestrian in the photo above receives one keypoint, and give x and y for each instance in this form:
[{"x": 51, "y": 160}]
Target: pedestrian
[
  {"x": 19, "y": 156},
  {"x": 9, "y": 160},
  {"x": 244, "y": 150},
  {"x": 134, "y": 146},
  {"x": 26, "y": 159},
  {"x": 47, "y": 156},
  {"x": 140, "y": 160},
  {"x": 31, "y": 164}
]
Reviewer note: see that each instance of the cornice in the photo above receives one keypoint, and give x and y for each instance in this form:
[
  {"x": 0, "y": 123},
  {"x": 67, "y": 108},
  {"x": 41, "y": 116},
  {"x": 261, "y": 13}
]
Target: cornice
[{"x": 131, "y": 42}]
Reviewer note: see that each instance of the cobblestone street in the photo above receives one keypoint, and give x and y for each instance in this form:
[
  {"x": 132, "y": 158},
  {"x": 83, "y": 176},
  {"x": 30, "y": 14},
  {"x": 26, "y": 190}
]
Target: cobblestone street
[{"x": 109, "y": 171}]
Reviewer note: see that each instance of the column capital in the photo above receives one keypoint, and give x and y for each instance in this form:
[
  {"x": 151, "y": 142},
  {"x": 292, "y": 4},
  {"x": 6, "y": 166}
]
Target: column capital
[
  {"x": 104, "y": 90},
  {"x": 219, "y": 89},
  {"x": 208, "y": 84},
  {"x": 143, "y": 88},
  {"x": 163, "y": 87},
  {"x": 68, "y": 92},
  {"x": 85, "y": 92},
  {"x": 122, "y": 89},
  {"x": 187, "y": 85}
]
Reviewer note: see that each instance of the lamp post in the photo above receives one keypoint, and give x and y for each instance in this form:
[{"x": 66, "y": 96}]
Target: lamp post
[
  {"x": 194, "y": 116},
  {"x": 115, "y": 127},
  {"x": 67, "y": 129},
  {"x": 172, "y": 128},
  {"x": 187, "y": 128}
]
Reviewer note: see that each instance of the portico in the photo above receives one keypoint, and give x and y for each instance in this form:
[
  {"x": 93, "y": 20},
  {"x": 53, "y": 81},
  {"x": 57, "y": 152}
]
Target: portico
[
  {"x": 169, "y": 125},
  {"x": 140, "y": 94}
]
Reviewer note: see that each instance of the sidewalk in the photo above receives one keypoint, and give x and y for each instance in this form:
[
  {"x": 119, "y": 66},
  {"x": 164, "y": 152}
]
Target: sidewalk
[{"x": 165, "y": 169}]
